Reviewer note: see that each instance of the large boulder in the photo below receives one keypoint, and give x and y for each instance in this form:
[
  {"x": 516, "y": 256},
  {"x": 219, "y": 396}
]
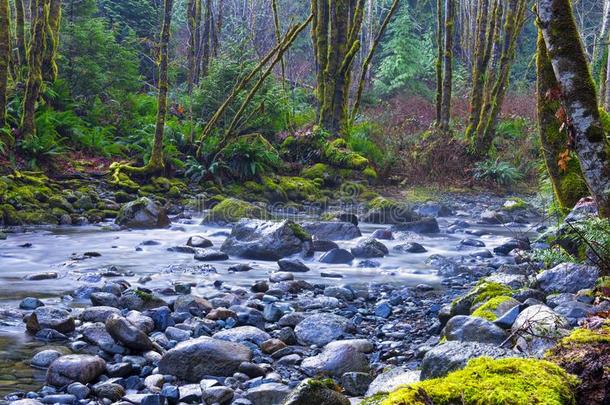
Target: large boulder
[
  {"x": 124, "y": 331},
  {"x": 454, "y": 355},
  {"x": 337, "y": 256},
  {"x": 232, "y": 210},
  {"x": 316, "y": 392},
  {"x": 80, "y": 368},
  {"x": 192, "y": 360},
  {"x": 142, "y": 213},
  {"x": 567, "y": 278},
  {"x": 474, "y": 329},
  {"x": 390, "y": 212},
  {"x": 424, "y": 225},
  {"x": 335, "y": 360},
  {"x": 332, "y": 230},
  {"x": 321, "y": 329},
  {"x": 243, "y": 334},
  {"x": 538, "y": 328},
  {"x": 265, "y": 240},
  {"x": 368, "y": 248},
  {"x": 50, "y": 318}
]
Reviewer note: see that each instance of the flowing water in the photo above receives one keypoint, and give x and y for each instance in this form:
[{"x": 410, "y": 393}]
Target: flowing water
[{"x": 52, "y": 250}]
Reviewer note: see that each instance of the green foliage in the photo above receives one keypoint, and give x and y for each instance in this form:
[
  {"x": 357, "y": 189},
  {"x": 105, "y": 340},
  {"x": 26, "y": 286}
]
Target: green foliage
[
  {"x": 493, "y": 382},
  {"x": 338, "y": 154},
  {"x": 232, "y": 210},
  {"x": 552, "y": 256},
  {"x": 513, "y": 128},
  {"x": 498, "y": 172},
  {"x": 250, "y": 157}
]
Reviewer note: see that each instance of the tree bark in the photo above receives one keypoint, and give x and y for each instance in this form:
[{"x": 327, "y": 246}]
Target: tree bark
[
  {"x": 568, "y": 183},
  {"x": 49, "y": 64},
  {"x": 191, "y": 21},
  {"x": 447, "y": 66},
  {"x": 35, "y": 55},
  {"x": 439, "y": 61},
  {"x": 571, "y": 69},
  {"x": 5, "y": 57},
  {"x": 20, "y": 32},
  {"x": 278, "y": 37}
]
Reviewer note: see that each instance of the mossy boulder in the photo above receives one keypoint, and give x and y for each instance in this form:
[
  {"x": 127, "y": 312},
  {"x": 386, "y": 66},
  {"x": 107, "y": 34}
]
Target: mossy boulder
[
  {"x": 495, "y": 307},
  {"x": 232, "y": 210},
  {"x": 10, "y": 216},
  {"x": 142, "y": 213},
  {"x": 514, "y": 204},
  {"x": 487, "y": 381},
  {"x": 301, "y": 189},
  {"x": 383, "y": 210},
  {"x": 319, "y": 392},
  {"x": 479, "y": 294},
  {"x": 58, "y": 201},
  {"x": 337, "y": 153}
]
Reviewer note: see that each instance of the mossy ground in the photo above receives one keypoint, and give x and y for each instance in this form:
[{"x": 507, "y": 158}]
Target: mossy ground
[{"x": 487, "y": 381}]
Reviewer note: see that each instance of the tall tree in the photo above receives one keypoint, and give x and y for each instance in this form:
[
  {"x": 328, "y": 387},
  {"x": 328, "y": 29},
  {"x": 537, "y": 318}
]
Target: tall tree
[
  {"x": 192, "y": 10},
  {"x": 447, "y": 66},
  {"x": 439, "y": 61},
  {"x": 565, "y": 50},
  {"x": 53, "y": 22},
  {"x": 35, "y": 56},
  {"x": 20, "y": 32},
  {"x": 335, "y": 32},
  {"x": 206, "y": 38},
  {"x": 5, "y": 57},
  {"x": 564, "y": 172}
]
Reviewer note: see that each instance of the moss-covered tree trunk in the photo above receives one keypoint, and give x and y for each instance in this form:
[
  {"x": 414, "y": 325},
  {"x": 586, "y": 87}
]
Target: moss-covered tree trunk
[
  {"x": 564, "y": 173},
  {"x": 439, "y": 61},
  {"x": 5, "y": 57},
  {"x": 156, "y": 162},
  {"x": 191, "y": 22},
  {"x": 49, "y": 64},
  {"x": 35, "y": 57},
  {"x": 278, "y": 37},
  {"x": 571, "y": 69},
  {"x": 447, "y": 65},
  {"x": 606, "y": 94},
  {"x": 20, "y": 32},
  {"x": 206, "y": 38}
]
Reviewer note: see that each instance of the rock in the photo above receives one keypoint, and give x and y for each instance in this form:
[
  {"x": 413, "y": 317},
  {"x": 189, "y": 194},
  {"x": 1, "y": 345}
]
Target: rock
[
  {"x": 513, "y": 281},
  {"x": 59, "y": 399},
  {"x": 337, "y": 256},
  {"x": 104, "y": 299},
  {"x": 243, "y": 334},
  {"x": 193, "y": 305},
  {"x": 292, "y": 319},
  {"x": 57, "y": 319},
  {"x": 279, "y": 276},
  {"x": 98, "y": 314},
  {"x": 567, "y": 278},
  {"x": 332, "y": 230},
  {"x": 320, "y": 329},
  {"x": 369, "y": 248},
  {"x": 208, "y": 255},
  {"x": 272, "y": 345},
  {"x": 389, "y": 213},
  {"x": 507, "y": 320},
  {"x": 511, "y": 245},
  {"x": 434, "y": 209},
  {"x": 472, "y": 242},
  {"x": 261, "y": 240},
  {"x": 127, "y": 333},
  {"x": 355, "y": 384},
  {"x": 142, "y": 213},
  {"x": 252, "y": 370},
  {"x": 538, "y": 328},
  {"x": 110, "y": 391},
  {"x": 474, "y": 329},
  {"x": 80, "y": 368},
  {"x": 139, "y": 300},
  {"x": 336, "y": 360},
  {"x": 574, "y": 311},
  {"x": 239, "y": 268},
  {"x": 341, "y": 293},
  {"x": 268, "y": 394},
  {"x": 80, "y": 391},
  {"x": 96, "y": 333},
  {"x": 42, "y": 276},
  {"x": 30, "y": 303},
  {"x": 179, "y": 335},
  {"x": 44, "y": 358},
  {"x": 324, "y": 245},
  {"x": 190, "y": 393},
  {"x": 494, "y": 217},
  {"x": 412, "y": 247},
  {"x": 217, "y": 395},
  {"x": 26, "y": 401},
  {"x": 454, "y": 355},
  {"x": 389, "y": 381},
  {"x": 292, "y": 266},
  {"x": 194, "y": 359},
  {"x": 318, "y": 392},
  {"x": 425, "y": 225},
  {"x": 383, "y": 309},
  {"x": 199, "y": 242},
  {"x": 182, "y": 249}
]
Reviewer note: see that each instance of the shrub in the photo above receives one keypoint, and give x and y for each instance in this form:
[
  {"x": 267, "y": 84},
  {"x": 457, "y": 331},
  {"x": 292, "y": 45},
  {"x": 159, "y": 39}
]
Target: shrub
[
  {"x": 498, "y": 172},
  {"x": 250, "y": 157}
]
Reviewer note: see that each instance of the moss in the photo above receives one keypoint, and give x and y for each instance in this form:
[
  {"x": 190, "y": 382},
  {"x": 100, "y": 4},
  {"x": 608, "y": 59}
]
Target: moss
[
  {"x": 480, "y": 293},
  {"x": 299, "y": 232},
  {"x": 383, "y": 203},
  {"x": 420, "y": 195},
  {"x": 10, "y": 216},
  {"x": 338, "y": 154},
  {"x": 122, "y": 197},
  {"x": 232, "y": 210},
  {"x": 582, "y": 336},
  {"x": 485, "y": 311},
  {"x": 376, "y": 399},
  {"x": 322, "y": 383},
  {"x": 488, "y": 381},
  {"x": 370, "y": 173},
  {"x": 300, "y": 189},
  {"x": 143, "y": 295},
  {"x": 42, "y": 217},
  {"x": 173, "y": 192},
  {"x": 58, "y": 201},
  {"x": 514, "y": 204},
  {"x": 317, "y": 171}
]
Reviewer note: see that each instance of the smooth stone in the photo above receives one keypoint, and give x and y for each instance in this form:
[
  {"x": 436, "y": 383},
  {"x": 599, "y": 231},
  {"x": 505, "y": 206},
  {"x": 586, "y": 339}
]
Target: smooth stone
[
  {"x": 127, "y": 333},
  {"x": 336, "y": 360},
  {"x": 57, "y": 319},
  {"x": 207, "y": 255},
  {"x": 268, "y": 394},
  {"x": 567, "y": 278},
  {"x": 390, "y": 380},
  {"x": 321, "y": 329},
  {"x": 369, "y": 248},
  {"x": 75, "y": 368},
  {"x": 142, "y": 213},
  {"x": 474, "y": 329},
  {"x": 411, "y": 247},
  {"x": 243, "y": 334},
  {"x": 315, "y": 392},
  {"x": 44, "y": 358},
  {"x": 292, "y": 266},
  {"x": 30, "y": 303},
  {"x": 337, "y": 256},
  {"x": 332, "y": 230},
  {"x": 197, "y": 241},
  {"x": 538, "y": 328}
]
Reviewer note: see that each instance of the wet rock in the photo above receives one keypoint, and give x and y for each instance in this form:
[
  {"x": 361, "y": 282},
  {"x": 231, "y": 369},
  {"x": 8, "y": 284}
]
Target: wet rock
[
  {"x": 383, "y": 309},
  {"x": 243, "y": 334},
  {"x": 337, "y": 256},
  {"x": 507, "y": 320},
  {"x": 221, "y": 314},
  {"x": 434, "y": 209},
  {"x": 42, "y": 276},
  {"x": 292, "y": 319},
  {"x": 58, "y": 399},
  {"x": 252, "y": 370},
  {"x": 119, "y": 369},
  {"x": 162, "y": 317},
  {"x": 368, "y": 264},
  {"x": 97, "y": 334},
  {"x": 538, "y": 328},
  {"x": 574, "y": 311},
  {"x": 44, "y": 358},
  {"x": 412, "y": 247},
  {"x": 424, "y": 225},
  {"x": 208, "y": 255},
  {"x": 324, "y": 245},
  {"x": 50, "y": 335},
  {"x": 193, "y": 305},
  {"x": 332, "y": 230},
  {"x": 26, "y": 401},
  {"x": 127, "y": 333},
  {"x": 355, "y": 384},
  {"x": 142, "y": 213},
  {"x": 80, "y": 391},
  {"x": 447, "y": 267},
  {"x": 260, "y": 240},
  {"x": 319, "y": 392},
  {"x": 217, "y": 395},
  {"x": 98, "y": 314},
  {"x": 194, "y": 359},
  {"x": 336, "y": 360},
  {"x": 140, "y": 300},
  {"x": 342, "y": 293},
  {"x": 511, "y": 245},
  {"x": 389, "y": 381},
  {"x": 279, "y": 276},
  {"x": 110, "y": 391},
  {"x": 104, "y": 299},
  {"x": 454, "y": 355},
  {"x": 494, "y": 217},
  {"x": 474, "y": 329},
  {"x": 513, "y": 281},
  {"x": 30, "y": 303},
  {"x": 292, "y": 266},
  {"x": 199, "y": 242},
  {"x": 369, "y": 248},
  {"x": 75, "y": 368},
  {"x": 240, "y": 268},
  {"x": 57, "y": 319},
  {"x": 320, "y": 329},
  {"x": 179, "y": 335},
  {"x": 567, "y": 278},
  {"x": 182, "y": 249},
  {"x": 472, "y": 242},
  {"x": 390, "y": 214},
  {"x": 268, "y": 394},
  {"x": 272, "y": 345}
]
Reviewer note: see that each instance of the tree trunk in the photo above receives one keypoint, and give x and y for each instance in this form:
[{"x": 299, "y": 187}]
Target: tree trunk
[
  {"x": 448, "y": 65},
  {"x": 278, "y": 37},
  {"x": 206, "y": 38},
  {"x": 606, "y": 95},
  {"x": 20, "y": 32},
  {"x": 217, "y": 30},
  {"x": 567, "y": 181},
  {"x": 49, "y": 64},
  {"x": 35, "y": 55},
  {"x": 439, "y": 61},
  {"x": 572, "y": 72},
  {"x": 156, "y": 162},
  {"x": 603, "y": 32},
  {"x": 5, "y": 57},
  {"x": 191, "y": 22}
]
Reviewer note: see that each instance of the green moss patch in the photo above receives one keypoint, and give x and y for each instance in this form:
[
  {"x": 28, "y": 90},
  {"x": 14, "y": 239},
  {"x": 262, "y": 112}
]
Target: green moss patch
[
  {"x": 481, "y": 293},
  {"x": 232, "y": 210},
  {"x": 338, "y": 154},
  {"x": 489, "y": 309},
  {"x": 488, "y": 381}
]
